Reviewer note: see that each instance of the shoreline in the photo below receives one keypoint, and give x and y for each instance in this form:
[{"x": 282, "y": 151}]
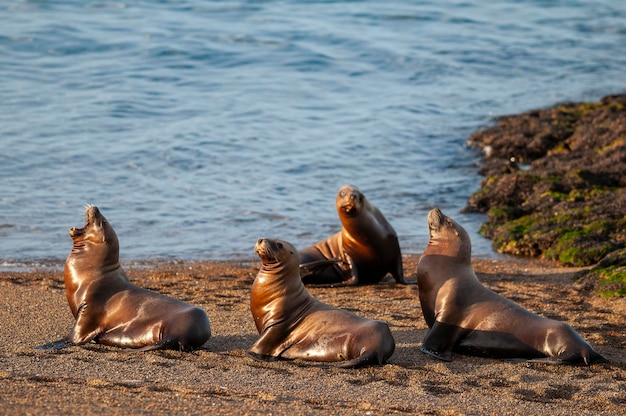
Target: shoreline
[
  {"x": 222, "y": 379},
  {"x": 56, "y": 264}
]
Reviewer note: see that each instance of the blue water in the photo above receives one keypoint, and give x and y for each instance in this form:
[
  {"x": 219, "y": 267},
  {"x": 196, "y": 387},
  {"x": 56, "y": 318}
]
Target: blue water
[{"x": 199, "y": 126}]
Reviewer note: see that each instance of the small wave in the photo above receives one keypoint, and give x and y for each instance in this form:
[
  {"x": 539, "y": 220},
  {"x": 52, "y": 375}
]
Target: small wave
[{"x": 39, "y": 264}]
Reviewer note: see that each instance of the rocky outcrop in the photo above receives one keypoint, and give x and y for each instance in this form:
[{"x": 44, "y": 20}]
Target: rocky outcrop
[{"x": 555, "y": 184}]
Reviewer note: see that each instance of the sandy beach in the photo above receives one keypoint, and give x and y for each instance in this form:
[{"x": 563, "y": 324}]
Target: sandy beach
[{"x": 223, "y": 380}]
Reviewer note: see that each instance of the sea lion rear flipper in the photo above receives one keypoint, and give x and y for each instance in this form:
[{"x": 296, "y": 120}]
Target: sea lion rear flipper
[
  {"x": 548, "y": 360},
  {"x": 163, "y": 344},
  {"x": 578, "y": 357},
  {"x": 440, "y": 341},
  {"x": 368, "y": 358},
  {"x": 587, "y": 356},
  {"x": 596, "y": 358},
  {"x": 54, "y": 345}
]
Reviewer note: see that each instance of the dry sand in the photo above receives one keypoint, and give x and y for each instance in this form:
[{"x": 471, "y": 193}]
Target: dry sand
[{"x": 99, "y": 379}]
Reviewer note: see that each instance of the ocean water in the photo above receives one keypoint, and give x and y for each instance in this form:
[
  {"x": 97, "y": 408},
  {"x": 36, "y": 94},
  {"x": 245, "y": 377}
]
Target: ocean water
[{"x": 199, "y": 126}]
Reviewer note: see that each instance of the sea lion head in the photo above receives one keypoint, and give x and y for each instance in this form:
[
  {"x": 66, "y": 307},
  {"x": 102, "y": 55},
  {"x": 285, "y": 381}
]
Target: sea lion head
[
  {"x": 350, "y": 201},
  {"x": 274, "y": 253},
  {"x": 97, "y": 232},
  {"x": 447, "y": 237}
]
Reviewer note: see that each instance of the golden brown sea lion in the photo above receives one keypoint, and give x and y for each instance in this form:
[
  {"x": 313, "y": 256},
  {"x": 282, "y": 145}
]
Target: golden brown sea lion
[
  {"x": 363, "y": 252},
  {"x": 294, "y": 325},
  {"x": 110, "y": 310},
  {"x": 466, "y": 317}
]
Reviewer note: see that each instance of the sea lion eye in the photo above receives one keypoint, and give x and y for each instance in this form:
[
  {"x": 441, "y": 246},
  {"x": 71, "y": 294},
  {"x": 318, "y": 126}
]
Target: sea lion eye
[{"x": 280, "y": 245}]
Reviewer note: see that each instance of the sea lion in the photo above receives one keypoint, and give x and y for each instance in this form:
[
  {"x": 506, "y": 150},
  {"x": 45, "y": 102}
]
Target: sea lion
[
  {"x": 292, "y": 324},
  {"x": 363, "y": 252},
  {"x": 111, "y": 310},
  {"x": 466, "y": 317}
]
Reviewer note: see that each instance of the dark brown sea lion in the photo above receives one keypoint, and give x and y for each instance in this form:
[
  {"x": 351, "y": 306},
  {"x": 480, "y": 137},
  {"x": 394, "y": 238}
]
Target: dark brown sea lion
[
  {"x": 466, "y": 317},
  {"x": 363, "y": 252},
  {"x": 294, "y": 325},
  {"x": 110, "y": 310}
]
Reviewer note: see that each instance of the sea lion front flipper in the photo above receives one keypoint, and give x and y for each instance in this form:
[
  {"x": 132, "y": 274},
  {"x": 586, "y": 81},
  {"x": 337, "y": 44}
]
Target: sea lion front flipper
[
  {"x": 261, "y": 357},
  {"x": 398, "y": 272},
  {"x": 54, "y": 345},
  {"x": 354, "y": 273},
  {"x": 314, "y": 267},
  {"x": 267, "y": 347},
  {"x": 86, "y": 328},
  {"x": 440, "y": 341},
  {"x": 437, "y": 355}
]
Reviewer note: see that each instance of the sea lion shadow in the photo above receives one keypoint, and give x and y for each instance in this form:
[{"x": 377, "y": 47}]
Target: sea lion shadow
[
  {"x": 53, "y": 345},
  {"x": 385, "y": 283},
  {"x": 225, "y": 343},
  {"x": 407, "y": 352},
  {"x": 493, "y": 347},
  {"x": 450, "y": 340},
  {"x": 494, "y": 277}
]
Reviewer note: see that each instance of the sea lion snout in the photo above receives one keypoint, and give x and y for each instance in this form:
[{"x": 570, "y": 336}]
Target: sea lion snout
[
  {"x": 349, "y": 199},
  {"x": 435, "y": 219},
  {"x": 75, "y": 232},
  {"x": 260, "y": 249},
  {"x": 92, "y": 212},
  {"x": 350, "y": 206},
  {"x": 268, "y": 250},
  {"x": 94, "y": 223}
]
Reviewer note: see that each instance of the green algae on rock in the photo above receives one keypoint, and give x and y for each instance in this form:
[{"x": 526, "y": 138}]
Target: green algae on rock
[
  {"x": 607, "y": 277},
  {"x": 555, "y": 186}
]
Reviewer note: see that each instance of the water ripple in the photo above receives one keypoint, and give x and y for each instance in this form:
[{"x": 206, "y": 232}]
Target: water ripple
[{"x": 198, "y": 127}]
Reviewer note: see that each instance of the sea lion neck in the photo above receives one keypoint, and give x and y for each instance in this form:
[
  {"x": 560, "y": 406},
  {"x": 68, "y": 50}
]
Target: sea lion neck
[
  {"x": 280, "y": 268},
  {"x": 100, "y": 254},
  {"x": 452, "y": 249}
]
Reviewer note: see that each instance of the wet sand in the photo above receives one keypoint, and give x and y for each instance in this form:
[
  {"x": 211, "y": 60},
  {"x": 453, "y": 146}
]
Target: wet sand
[{"x": 223, "y": 380}]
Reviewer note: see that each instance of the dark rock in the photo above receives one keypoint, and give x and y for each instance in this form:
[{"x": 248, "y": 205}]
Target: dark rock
[{"x": 555, "y": 183}]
